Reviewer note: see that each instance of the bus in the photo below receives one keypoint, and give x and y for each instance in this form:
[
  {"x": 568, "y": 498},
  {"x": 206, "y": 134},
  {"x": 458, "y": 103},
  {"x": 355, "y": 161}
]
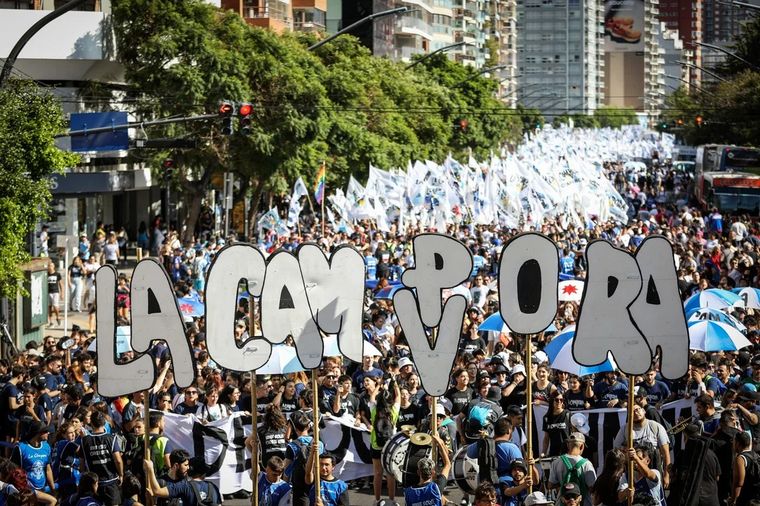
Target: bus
[{"x": 727, "y": 177}]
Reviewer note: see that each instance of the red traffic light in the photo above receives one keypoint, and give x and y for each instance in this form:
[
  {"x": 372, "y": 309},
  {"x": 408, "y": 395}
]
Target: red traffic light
[
  {"x": 245, "y": 109},
  {"x": 168, "y": 163},
  {"x": 463, "y": 123},
  {"x": 699, "y": 120},
  {"x": 226, "y": 109}
]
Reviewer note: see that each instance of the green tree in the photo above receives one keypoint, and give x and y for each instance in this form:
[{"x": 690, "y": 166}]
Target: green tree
[
  {"x": 615, "y": 117},
  {"x": 29, "y": 118}
]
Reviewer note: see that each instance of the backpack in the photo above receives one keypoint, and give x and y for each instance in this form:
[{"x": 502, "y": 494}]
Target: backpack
[
  {"x": 751, "y": 474},
  {"x": 574, "y": 474},
  {"x": 212, "y": 498},
  {"x": 487, "y": 462},
  {"x": 479, "y": 419}
]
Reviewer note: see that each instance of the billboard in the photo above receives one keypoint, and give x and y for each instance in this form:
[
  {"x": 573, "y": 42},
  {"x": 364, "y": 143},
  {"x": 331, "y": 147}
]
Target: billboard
[
  {"x": 624, "y": 26},
  {"x": 116, "y": 140}
]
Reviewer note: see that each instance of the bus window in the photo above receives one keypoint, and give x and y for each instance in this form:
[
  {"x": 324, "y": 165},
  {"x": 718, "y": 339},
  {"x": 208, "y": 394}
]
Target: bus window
[{"x": 741, "y": 160}]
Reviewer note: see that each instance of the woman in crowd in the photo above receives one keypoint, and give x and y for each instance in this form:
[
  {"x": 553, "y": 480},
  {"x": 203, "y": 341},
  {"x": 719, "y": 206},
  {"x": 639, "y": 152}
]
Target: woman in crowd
[
  {"x": 65, "y": 460},
  {"x": 556, "y": 426}
]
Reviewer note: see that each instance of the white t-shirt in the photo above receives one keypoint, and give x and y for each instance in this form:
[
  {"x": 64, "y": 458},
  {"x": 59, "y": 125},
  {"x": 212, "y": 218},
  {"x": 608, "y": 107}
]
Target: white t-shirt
[
  {"x": 652, "y": 433},
  {"x": 654, "y": 486},
  {"x": 558, "y": 470}
]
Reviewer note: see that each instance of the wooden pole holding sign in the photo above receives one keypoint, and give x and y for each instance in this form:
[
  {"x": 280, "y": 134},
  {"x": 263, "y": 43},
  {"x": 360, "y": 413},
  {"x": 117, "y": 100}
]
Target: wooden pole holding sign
[
  {"x": 254, "y": 437},
  {"x": 529, "y": 402},
  {"x": 629, "y": 429},
  {"x": 434, "y": 412},
  {"x": 315, "y": 407},
  {"x": 146, "y": 444}
]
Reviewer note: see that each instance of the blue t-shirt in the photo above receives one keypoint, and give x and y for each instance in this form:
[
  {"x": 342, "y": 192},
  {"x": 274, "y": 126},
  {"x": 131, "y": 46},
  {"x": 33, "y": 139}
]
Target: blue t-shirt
[
  {"x": 657, "y": 392},
  {"x": 33, "y": 460},
  {"x": 426, "y": 495},
  {"x": 294, "y": 453},
  {"x": 88, "y": 501},
  {"x": 506, "y": 482},
  {"x": 333, "y": 493},
  {"x": 65, "y": 463},
  {"x": 270, "y": 493},
  {"x": 478, "y": 262},
  {"x": 506, "y": 453},
  {"x": 567, "y": 264},
  {"x": 605, "y": 392}
]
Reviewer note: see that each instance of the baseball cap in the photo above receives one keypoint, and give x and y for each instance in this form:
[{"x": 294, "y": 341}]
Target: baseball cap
[
  {"x": 494, "y": 394},
  {"x": 521, "y": 464},
  {"x": 540, "y": 357},
  {"x": 577, "y": 437},
  {"x": 536, "y": 498},
  {"x": 519, "y": 368},
  {"x": 404, "y": 361},
  {"x": 570, "y": 489},
  {"x": 580, "y": 422}
]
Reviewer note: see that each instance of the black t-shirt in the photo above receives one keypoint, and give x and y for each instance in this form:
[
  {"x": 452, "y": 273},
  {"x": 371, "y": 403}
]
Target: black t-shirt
[
  {"x": 409, "y": 415},
  {"x": 53, "y": 280},
  {"x": 516, "y": 398},
  {"x": 287, "y": 406},
  {"x": 558, "y": 428},
  {"x": 575, "y": 401},
  {"x": 459, "y": 399},
  {"x": 76, "y": 271},
  {"x": 9, "y": 391},
  {"x": 273, "y": 443},
  {"x": 348, "y": 404}
]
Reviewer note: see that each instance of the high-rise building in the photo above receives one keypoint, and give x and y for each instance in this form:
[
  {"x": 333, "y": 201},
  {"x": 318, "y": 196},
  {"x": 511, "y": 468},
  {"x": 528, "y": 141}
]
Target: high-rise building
[
  {"x": 281, "y": 15},
  {"x": 560, "y": 55},
  {"x": 654, "y": 61},
  {"x": 685, "y": 17}
]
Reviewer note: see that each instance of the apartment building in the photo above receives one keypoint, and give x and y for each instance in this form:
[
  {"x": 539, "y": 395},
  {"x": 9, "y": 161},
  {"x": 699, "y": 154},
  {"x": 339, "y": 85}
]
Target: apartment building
[
  {"x": 281, "y": 15},
  {"x": 686, "y": 18},
  {"x": 560, "y": 66}
]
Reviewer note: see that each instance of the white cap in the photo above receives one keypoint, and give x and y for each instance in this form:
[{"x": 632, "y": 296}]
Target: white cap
[
  {"x": 580, "y": 422},
  {"x": 540, "y": 357},
  {"x": 404, "y": 361},
  {"x": 518, "y": 368},
  {"x": 536, "y": 498}
]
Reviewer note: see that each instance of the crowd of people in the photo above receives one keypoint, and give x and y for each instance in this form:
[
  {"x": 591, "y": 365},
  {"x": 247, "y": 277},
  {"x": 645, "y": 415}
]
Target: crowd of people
[{"x": 66, "y": 443}]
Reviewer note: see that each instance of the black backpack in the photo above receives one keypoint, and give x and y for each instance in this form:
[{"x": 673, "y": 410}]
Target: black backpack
[
  {"x": 487, "y": 461},
  {"x": 751, "y": 474}
]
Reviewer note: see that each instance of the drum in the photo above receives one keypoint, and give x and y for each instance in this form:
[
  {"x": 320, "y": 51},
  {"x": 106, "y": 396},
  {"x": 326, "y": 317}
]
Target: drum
[
  {"x": 466, "y": 471},
  {"x": 400, "y": 456}
]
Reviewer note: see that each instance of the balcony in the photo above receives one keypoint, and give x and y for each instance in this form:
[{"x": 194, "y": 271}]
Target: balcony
[{"x": 414, "y": 26}]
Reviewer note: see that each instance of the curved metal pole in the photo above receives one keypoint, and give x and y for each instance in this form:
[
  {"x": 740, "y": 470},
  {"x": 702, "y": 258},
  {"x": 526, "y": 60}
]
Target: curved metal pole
[
  {"x": 480, "y": 73},
  {"x": 716, "y": 76},
  {"x": 439, "y": 50},
  {"x": 701, "y": 90},
  {"x": 398, "y": 10},
  {"x": 727, "y": 52},
  {"x": 36, "y": 27}
]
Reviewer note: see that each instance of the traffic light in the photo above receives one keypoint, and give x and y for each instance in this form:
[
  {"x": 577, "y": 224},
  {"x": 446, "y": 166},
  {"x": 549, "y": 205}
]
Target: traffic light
[
  {"x": 244, "y": 113},
  {"x": 226, "y": 111},
  {"x": 679, "y": 122},
  {"x": 461, "y": 125},
  {"x": 699, "y": 120},
  {"x": 663, "y": 126},
  {"x": 168, "y": 170}
]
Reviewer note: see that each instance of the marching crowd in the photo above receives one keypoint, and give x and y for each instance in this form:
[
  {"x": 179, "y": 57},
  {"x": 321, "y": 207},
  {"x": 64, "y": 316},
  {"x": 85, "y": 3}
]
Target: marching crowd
[{"x": 64, "y": 443}]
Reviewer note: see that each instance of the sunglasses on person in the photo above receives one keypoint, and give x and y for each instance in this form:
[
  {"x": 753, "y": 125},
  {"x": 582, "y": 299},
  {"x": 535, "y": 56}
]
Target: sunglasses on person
[
  {"x": 558, "y": 399},
  {"x": 191, "y": 392}
]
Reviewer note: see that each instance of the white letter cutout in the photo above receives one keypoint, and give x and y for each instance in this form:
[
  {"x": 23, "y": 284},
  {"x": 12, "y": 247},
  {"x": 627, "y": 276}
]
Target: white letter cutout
[
  {"x": 528, "y": 273},
  {"x": 233, "y": 263},
  {"x": 155, "y": 316}
]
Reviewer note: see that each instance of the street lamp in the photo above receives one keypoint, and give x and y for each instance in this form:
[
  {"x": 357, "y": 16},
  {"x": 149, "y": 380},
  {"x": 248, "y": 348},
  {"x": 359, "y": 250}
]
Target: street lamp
[
  {"x": 439, "y": 50},
  {"x": 371, "y": 17},
  {"x": 727, "y": 52},
  {"x": 716, "y": 76},
  {"x": 480, "y": 73},
  {"x": 688, "y": 83},
  {"x": 744, "y": 5}
]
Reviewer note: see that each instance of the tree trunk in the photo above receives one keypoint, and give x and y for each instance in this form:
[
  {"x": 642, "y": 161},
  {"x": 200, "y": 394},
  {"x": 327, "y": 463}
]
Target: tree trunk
[
  {"x": 193, "y": 212},
  {"x": 253, "y": 210}
]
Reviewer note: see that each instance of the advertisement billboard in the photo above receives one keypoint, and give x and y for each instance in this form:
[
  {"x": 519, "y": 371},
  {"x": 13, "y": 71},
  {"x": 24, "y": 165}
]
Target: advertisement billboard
[{"x": 624, "y": 26}]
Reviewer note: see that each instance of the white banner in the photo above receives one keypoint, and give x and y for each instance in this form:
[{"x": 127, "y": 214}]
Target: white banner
[
  {"x": 604, "y": 424},
  {"x": 222, "y": 444}
]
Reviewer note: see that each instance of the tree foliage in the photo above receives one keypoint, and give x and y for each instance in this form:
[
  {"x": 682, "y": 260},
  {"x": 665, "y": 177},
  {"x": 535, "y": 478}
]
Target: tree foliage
[
  {"x": 338, "y": 104},
  {"x": 29, "y": 118},
  {"x": 615, "y": 117}
]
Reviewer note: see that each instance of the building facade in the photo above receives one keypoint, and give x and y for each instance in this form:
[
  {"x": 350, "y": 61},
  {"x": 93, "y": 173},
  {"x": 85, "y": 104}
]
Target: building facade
[
  {"x": 281, "y": 15},
  {"x": 560, "y": 66},
  {"x": 685, "y": 17}
]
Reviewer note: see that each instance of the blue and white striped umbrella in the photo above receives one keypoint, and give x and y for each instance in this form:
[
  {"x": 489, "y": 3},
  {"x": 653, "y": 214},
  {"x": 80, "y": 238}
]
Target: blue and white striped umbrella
[
  {"x": 750, "y": 296},
  {"x": 714, "y": 298},
  {"x": 706, "y": 335},
  {"x": 705, "y": 313},
  {"x": 495, "y": 323},
  {"x": 560, "y": 353}
]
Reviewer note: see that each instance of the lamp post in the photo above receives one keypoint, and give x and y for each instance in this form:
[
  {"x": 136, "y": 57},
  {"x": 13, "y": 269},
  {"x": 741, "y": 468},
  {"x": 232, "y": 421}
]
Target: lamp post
[
  {"x": 743, "y": 5},
  {"x": 716, "y": 76},
  {"x": 726, "y": 52},
  {"x": 36, "y": 27},
  {"x": 439, "y": 50},
  {"x": 480, "y": 73},
  {"x": 701, "y": 90},
  {"x": 371, "y": 17}
]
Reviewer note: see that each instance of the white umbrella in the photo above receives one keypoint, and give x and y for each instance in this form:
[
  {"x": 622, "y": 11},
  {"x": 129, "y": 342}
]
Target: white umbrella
[
  {"x": 283, "y": 360},
  {"x": 750, "y": 296},
  {"x": 706, "y": 335},
  {"x": 706, "y": 313},
  {"x": 331, "y": 348},
  {"x": 570, "y": 290}
]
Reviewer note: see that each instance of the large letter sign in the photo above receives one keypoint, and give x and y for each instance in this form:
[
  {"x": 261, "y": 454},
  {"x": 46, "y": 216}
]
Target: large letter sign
[
  {"x": 155, "y": 315},
  {"x": 440, "y": 262},
  {"x": 630, "y": 307}
]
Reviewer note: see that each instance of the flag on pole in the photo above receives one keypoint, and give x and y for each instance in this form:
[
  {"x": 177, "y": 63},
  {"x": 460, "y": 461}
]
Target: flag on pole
[
  {"x": 319, "y": 188},
  {"x": 299, "y": 190}
]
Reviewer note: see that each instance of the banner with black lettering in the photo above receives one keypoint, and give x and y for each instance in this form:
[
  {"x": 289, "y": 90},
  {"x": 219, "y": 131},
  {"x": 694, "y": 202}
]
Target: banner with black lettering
[
  {"x": 222, "y": 443},
  {"x": 604, "y": 424}
]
